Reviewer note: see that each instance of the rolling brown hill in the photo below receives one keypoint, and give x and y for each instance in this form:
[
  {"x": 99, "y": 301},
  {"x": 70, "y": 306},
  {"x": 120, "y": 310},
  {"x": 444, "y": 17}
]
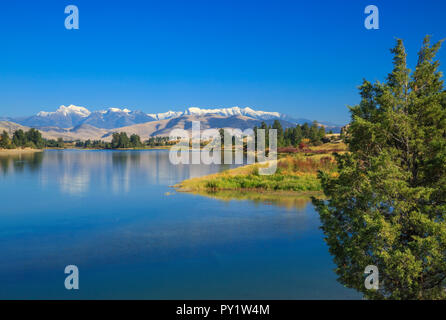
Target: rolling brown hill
[
  {"x": 164, "y": 127},
  {"x": 144, "y": 130}
]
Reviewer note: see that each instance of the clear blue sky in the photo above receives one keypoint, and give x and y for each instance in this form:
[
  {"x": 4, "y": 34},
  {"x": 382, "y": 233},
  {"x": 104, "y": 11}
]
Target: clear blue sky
[{"x": 303, "y": 58}]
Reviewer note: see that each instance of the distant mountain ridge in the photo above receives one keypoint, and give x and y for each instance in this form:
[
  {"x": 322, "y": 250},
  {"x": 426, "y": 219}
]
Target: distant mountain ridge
[
  {"x": 213, "y": 121},
  {"x": 76, "y": 121},
  {"x": 144, "y": 130},
  {"x": 71, "y": 116}
]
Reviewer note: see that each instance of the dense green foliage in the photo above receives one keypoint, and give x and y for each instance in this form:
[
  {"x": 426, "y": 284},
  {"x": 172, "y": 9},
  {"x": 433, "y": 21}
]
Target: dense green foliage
[
  {"x": 119, "y": 141},
  {"x": 294, "y": 173},
  {"x": 122, "y": 141},
  {"x": 294, "y": 136},
  {"x": 29, "y": 139},
  {"x": 275, "y": 182},
  {"x": 387, "y": 207},
  {"x": 158, "y": 141},
  {"x": 93, "y": 144},
  {"x": 59, "y": 143}
]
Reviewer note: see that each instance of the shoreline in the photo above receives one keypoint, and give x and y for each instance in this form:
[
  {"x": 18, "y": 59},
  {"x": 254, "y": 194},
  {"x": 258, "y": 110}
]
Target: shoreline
[
  {"x": 256, "y": 191},
  {"x": 287, "y": 199},
  {"x": 19, "y": 151},
  {"x": 296, "y": 175},
  {"x": 245, "y": 179},
  {"x": 112, "y": 149}
]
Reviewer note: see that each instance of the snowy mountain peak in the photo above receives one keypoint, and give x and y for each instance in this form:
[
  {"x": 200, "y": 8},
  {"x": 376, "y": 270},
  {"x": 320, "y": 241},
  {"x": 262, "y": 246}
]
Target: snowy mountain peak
[
  {"x": 234, "y": 111},
  {"x": 67, "y": 111},
  {"x": 72, "y": 116},
  {"x": 165, "y": 115},
  {"x": 83, "y": 113},
  {"x": 125, "y": 110}
]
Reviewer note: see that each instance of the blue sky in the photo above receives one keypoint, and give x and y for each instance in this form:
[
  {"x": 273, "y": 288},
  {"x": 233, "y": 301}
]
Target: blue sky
[{"x": 302, "y": 58}]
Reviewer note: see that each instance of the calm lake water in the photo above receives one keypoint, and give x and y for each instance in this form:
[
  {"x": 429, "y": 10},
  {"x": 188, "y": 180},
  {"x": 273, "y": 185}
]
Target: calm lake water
[{"x": 112, "y": 214}]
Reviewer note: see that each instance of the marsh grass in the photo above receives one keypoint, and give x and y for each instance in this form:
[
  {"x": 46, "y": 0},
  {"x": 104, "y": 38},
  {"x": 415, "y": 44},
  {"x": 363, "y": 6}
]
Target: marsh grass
[{"x": 296, "y": 173}]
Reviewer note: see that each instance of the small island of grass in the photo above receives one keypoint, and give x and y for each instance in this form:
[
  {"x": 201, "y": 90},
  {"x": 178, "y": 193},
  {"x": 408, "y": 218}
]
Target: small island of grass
[{"x": 296, "y": 173}]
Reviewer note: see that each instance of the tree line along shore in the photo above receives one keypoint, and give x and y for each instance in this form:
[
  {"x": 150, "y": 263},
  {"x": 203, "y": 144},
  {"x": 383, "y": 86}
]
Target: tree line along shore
[
  {"x": 303, "y": 150},
  {"x": 299, "y": 136},
  {"x": 29, "y": 140}
]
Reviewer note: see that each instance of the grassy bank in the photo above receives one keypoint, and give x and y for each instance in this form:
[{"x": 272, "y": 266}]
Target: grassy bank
[
  {"x": 295, "y": 173},
  {"x": 18, "y": 151}
]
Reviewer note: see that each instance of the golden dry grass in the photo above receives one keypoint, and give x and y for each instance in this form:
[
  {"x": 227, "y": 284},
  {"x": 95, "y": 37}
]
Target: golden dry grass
[{"x": 295, "y": 173}]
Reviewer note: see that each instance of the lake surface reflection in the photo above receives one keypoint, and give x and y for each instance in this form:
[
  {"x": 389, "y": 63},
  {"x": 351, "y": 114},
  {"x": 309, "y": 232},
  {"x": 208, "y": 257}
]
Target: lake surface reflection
[{"x": 113, "y": 214}]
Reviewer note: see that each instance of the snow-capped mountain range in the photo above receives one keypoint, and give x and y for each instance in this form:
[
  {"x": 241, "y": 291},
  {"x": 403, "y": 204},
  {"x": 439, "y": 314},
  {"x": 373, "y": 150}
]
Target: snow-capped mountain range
[
  {"x": 78, "y": 123},
  {"x": 72, "y": 116}
]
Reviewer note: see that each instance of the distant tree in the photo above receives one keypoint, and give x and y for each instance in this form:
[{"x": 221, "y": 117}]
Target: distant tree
[
  {"x": 278, "y": 126},
  {"x": 305, "y": 130},
  {"x": 135, "y": 141},
  {"x": 116, "y": 140},
  {"x": 4, "y": 140},
  {"x": 60, "y": 143},
  {"x": 387, "y": 206},
  {"x": 314, "y": 135},
  {"x": 34, "y": 137},
  {"x": 255, "y": 137},
  {"x": 297, "y": 135},
  {"x": 288, "y": 136},
  {"x": 124, "y": 140},
  {"x": 265, "y": 127},
  {"x": 158, "y": 141},
  {"x": 19, "y": 138},
  {"x": 121, "y": 140},
  {"x": 322, "y": 132},
  {"x": 293, "y": 136},
  {"x": 221, "y": 131}
]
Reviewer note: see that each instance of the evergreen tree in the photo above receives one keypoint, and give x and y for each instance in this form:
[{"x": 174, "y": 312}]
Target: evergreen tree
[
  {"x": 305, "y": 130},
  {"x": 4, "y": 140},
  {"x": 60, "y": 143},
  {"x": 116, "y": 140},
  {"x": 297, "y": 136},
  {"x": 278, "y": 126},
  {"x": 314, "y": 133},
  {"x": 321, "y": 133},
  {"x": 34, "y": 139},
  {"x": 265, "y": 127},
  {"x": 135, "y": 141},
  {"x": 124, "y": 141},
  {"x": 19, "y": 138},
  {"x": 387, "y": 207},
  {"x": 255, "y": 137},
  {"x": 121, "y": 140}
]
